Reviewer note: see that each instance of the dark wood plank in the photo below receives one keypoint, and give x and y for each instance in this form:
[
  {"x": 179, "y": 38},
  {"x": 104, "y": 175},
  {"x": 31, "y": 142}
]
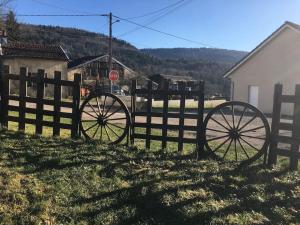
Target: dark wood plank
[
  {"x": 170, "y": 92},
  {"x": 285, "y": 126},
  {"x": 170, "y": 115},
  {"x": 149, "y": 116},
  {"x": 295, "y": 130},
  {"x": 182, "y": 88},
  {"x": 44, "y": 123},
  {"x": 168, "y": 126},
  {"x": 49, "y": 102},
  {"x": 287, "y": 153},
  {"x": 57, "y": 100},
  {"x": 288, "y": 98},
  {"x": 287, "y": 140},
  {"x": 39, "y": 104},
  {"x": 44, "y": 112},
  {"x": 272, "y": 159},
  {"x": 22, "y": 95},
  {"x": 133, "y": 110},
  {"x": 169, "y": 139},
  {"x": 76, "y": 105},
  {"x": 4, "y": 96},
  {"x": 165, "y": 115},
  {"x": 200, "y": 126}
]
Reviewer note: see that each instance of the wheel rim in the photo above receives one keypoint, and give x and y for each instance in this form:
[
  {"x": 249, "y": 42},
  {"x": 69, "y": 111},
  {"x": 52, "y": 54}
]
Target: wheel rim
[
  {"x": 104, "y": 117},
  {"x": 236, "y": 131}
]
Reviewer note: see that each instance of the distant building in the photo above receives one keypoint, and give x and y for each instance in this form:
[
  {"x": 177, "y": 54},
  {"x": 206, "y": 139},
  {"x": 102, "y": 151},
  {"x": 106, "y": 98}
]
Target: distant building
[
  {"x": 162, "y": 79},
  {"x": 34, "y": 56},
  {"x": 93, "y": 67},
  {"x": 275, "y": 60}
]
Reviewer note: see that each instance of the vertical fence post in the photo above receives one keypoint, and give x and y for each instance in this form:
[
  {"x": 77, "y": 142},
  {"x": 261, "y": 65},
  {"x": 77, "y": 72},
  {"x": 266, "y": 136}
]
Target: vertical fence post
[
  {"x": 200, "y": 125},
  {"x": 1, "y": 90},
  {"x": 182, "y": 90},
  {"x": 76, "y": 105},
  {"x": 57, "y": 103},
  {"x": 149, "y": 115},
  {"x": 22, "y": 98},
  {"x": 165, "y": 114},
  {"x": 133, "y": 110},
  {"x": 295, "y": 130},
  {"x": 272, "y": 159},
  {"x": 4, "y": 96},
  {"x": 40, "y": 87}
]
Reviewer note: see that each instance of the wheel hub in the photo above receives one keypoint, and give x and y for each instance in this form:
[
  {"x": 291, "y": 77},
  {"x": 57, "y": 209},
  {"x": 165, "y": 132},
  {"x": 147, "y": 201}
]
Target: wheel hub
[
  {"x": 234, "y": 134},
  {"x": 101, "y": 121}
]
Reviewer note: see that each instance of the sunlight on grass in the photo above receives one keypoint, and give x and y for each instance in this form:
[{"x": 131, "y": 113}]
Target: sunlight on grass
[
  {"x": 64, "y": 181},
  {"x": 189, "y": 104}
]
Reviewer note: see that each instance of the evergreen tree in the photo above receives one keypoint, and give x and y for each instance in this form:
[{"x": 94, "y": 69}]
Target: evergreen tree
[{"x": 12, "y": 27}]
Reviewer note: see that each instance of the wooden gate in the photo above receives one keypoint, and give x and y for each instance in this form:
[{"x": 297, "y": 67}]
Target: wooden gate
[
  {"x": 285, "y": 132},
  {"x": 181, "y": 115},
  {"x": 53, "y": 108}
]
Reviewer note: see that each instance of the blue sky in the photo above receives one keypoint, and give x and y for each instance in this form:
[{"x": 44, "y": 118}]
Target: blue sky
[{"x": 229, "y": 24}]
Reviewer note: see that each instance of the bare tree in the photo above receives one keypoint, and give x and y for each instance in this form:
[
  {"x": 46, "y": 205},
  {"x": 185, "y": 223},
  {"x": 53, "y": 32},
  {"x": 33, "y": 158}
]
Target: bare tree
[
  {"x": 4, "y": 9},
  {"x": 4, "y": 3}
]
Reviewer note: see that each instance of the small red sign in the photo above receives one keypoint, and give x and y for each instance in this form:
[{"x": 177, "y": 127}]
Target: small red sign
[{"x": 113, "y": 75}]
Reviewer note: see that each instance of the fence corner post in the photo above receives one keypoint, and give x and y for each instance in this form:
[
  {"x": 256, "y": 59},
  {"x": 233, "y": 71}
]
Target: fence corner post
[
  {"x": 200, "y": 122},
  {"x": 272, "y": 156},
  {"x": 76, "y": 105}
]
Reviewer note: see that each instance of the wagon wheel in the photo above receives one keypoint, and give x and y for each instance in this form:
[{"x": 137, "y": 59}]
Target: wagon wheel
[
  {"x": 236, "y": 131},
  {"x": 104, "y": 117}
]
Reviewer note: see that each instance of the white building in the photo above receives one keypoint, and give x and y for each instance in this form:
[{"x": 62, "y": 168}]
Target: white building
[{"x": 275, "y": 60}]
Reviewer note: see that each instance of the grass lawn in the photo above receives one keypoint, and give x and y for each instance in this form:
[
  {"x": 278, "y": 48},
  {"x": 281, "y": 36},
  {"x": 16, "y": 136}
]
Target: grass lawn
[
  {"x": 62, "y": 181},
  {"x": 189, "y": 104}
]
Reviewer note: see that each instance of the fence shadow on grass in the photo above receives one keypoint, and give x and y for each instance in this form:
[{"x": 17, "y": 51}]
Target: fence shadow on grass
[{"x": 115, "y": 185}]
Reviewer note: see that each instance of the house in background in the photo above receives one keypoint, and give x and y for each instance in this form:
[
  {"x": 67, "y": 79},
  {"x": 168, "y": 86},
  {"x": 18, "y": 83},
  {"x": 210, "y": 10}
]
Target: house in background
[
  {"x": 93, "y": 67},
  {"x": 174, "y": 81},
  {"x": 275, "y": 60},
  {"x": 50, "y": 58}
]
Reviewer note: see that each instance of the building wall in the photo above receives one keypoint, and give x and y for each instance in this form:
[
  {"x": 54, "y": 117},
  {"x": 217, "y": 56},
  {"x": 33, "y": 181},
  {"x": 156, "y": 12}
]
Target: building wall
[
  {"x": 276, "y": 62},
  {"x": 50, "y": 66}
]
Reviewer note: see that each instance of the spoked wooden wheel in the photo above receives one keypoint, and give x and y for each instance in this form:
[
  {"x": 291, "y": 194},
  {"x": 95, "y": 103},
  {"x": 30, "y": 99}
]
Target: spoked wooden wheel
[
  {"x": 236, "y": 131},
  {"x": 104, "y": 117}
]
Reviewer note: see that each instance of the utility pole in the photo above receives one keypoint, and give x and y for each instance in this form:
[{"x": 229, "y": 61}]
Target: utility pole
[{"x": 110, "y": 50}]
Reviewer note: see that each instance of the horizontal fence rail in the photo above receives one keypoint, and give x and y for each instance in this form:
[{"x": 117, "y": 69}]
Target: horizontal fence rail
[
  {"x": 148, "y": 114},
  {"x": 286, "y": 134},
  {"x": 43, "y": 106}
]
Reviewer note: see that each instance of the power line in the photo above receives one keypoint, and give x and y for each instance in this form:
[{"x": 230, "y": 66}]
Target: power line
[
  {"x": 165, "y": 33},
  {"x": 55, "y": 6},
  {"x": 156, "y": 11},
  {"x": 156, "y": 19},
  {"x": 123, "y": 19},
  {"x": 57, "y": 15}
]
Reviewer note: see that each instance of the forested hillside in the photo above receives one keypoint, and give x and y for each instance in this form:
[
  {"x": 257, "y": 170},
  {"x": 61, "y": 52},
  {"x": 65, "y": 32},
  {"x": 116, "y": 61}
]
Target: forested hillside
[
  {"x": 207, "y": 54},
  {"x": 205, "y": 64}
]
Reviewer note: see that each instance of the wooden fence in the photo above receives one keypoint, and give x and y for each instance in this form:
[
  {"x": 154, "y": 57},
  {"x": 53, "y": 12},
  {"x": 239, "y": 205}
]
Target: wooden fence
[
  {"x": 181, "y": 127},
  {"x": 43, "y": 105},
  {"x": 285, "y": 132}
]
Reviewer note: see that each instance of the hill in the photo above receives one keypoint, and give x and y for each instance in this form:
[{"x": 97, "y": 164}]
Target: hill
[
  {"x": 201, "y": 64},
  {"x": 207, "y": 54}
]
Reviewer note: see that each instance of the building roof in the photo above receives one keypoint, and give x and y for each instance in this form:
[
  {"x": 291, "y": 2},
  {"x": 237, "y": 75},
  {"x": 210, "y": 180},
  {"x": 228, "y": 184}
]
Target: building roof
[
  {"x": 82, "y": 60},
  {"x": 173, "y": 77},
  {"x": 287, "y": 24},
  {"x": 18, "y": 49},
  {"x": 76, "y": 63}
]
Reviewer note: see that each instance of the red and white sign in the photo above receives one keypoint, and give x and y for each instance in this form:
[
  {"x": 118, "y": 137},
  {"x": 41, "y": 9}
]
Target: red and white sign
[{"x": 113, "y": 75}]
